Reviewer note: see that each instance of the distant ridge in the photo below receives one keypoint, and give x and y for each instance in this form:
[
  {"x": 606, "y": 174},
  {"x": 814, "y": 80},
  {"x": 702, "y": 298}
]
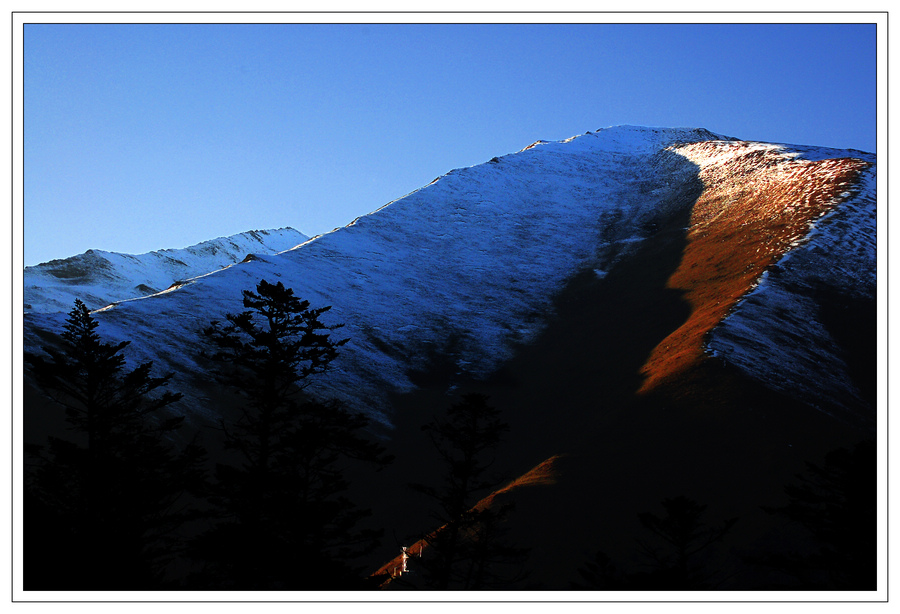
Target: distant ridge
[{"x": 99, "y": 278}]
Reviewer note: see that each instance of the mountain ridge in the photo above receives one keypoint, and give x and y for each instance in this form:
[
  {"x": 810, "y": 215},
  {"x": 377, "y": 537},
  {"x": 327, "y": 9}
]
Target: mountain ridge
[{"x": 468, "y": 265}]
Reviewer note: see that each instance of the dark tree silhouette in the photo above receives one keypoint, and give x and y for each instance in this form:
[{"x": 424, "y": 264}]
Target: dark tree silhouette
[
  {"x": 836, "y": 505},
  {"x": 672, "y": 555},
  {"x": 103, "y": 504},
  {"x": 469, "y": 550},
  {"x": 286, "y": 522},
  {"x": 680, "y": 538}
]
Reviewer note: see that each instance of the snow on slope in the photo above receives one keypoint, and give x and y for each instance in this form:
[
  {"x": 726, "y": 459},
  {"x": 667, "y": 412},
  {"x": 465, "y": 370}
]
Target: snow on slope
[
  {"x": 467, "y": 266},
  {"x": 100, "y": 278}
]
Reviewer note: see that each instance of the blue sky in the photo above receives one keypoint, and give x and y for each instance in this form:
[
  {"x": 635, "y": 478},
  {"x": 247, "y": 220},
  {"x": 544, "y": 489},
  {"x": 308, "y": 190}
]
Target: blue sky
[{"x": 142, "y": 137}]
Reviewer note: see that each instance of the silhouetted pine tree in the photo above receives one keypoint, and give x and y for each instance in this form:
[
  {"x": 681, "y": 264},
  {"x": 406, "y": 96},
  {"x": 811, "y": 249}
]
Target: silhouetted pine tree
[
  {"x": 103, "y": 505},
  {"x": 469, "y": 551},
  {"x": 676, "y": 552},
  {"x": 673, "y": 555},
  {"x": 286, "y": 522},
  {"x": 836, "y": 504}
]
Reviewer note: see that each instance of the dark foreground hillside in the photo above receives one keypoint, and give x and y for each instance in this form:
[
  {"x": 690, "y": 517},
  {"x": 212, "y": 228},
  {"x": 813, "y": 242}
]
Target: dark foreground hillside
[
  {"x": 713, "y": 436},
  {"x": 704, "y": 432}
]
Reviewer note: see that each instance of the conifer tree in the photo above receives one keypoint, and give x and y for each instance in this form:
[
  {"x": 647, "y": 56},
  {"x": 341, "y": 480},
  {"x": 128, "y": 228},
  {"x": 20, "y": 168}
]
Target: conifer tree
[
  {"x": 836, "y": 504},
  {"x": 103, "y": 503},
  {"x": 469, "y": 550},
  {"x": 675, "y": 553},
  {"x": 286, "y": 522}
]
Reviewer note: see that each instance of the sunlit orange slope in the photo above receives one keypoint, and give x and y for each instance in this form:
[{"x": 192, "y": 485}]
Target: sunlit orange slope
[
  {"x": 541, "y": 475},
  {"x": 756, "y": 204}
]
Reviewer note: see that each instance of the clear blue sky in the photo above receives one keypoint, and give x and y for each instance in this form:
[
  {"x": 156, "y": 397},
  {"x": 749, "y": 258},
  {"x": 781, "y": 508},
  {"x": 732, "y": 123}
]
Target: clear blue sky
[{"x": 142, "y": 137}]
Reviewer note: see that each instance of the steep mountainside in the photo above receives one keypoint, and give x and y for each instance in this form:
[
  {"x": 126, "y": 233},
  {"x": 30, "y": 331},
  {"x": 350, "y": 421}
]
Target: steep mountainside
[{"x": 101, "y": 278}]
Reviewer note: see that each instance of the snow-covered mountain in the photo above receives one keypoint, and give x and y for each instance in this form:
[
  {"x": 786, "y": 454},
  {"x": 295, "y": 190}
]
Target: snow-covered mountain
[
  {"x": 101, "y": 278},
  {"x": 655, "y": 312},
  {"x": 469, "y": 266}
]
